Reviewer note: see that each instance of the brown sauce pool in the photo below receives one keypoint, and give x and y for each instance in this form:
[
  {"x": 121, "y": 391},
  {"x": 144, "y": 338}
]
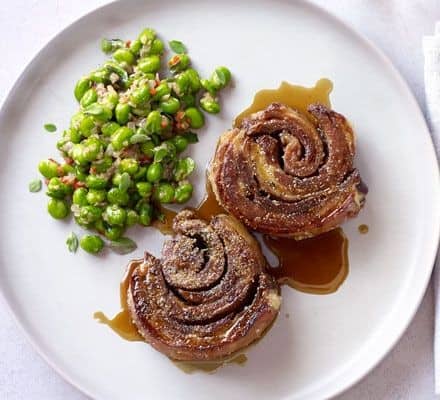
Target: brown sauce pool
[
  {"x": 298, "y": 97},
  {"x": 317, "y": 265},
  {"x": 121, "y": 323}
]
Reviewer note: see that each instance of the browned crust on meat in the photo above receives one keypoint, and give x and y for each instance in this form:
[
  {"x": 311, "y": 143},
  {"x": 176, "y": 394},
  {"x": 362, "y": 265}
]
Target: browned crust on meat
[
  {"x": 283, "y": 175},
  {"x": 209, "y": 296}
]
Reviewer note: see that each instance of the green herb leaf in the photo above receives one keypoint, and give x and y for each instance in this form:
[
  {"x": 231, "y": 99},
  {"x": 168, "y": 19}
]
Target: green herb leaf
[
  {"x": 123, "y": 245},
  {"x": 125, "y": 182},
  {"x": 35, "y": 185},
  {"x": 50, "y": 127},
  {"x": 139, "y": 138},
  {"x": 72, "y": 242},
  {"x": 177, "y": 47},
  {"x": 191, "y": 137}
]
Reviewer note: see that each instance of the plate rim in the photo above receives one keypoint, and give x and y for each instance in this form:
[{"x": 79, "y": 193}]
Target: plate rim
[{"x": 393, "y": 337}]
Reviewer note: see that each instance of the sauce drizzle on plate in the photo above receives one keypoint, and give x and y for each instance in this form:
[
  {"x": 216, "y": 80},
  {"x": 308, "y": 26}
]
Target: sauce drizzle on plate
[{"x": 318, "y": 265}]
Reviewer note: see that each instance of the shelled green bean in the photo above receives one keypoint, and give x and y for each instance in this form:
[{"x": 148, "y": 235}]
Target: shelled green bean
[{"x": 123, "y": 149}]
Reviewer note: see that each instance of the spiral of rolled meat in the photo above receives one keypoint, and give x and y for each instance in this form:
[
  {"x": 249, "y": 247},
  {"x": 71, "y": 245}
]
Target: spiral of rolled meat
[
  {"x": 284, "y": 174},
  {"x": 208, "y": 296}
]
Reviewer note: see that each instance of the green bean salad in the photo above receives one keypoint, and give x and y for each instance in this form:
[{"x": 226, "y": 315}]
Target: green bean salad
[{"x": 123, "y": 149}]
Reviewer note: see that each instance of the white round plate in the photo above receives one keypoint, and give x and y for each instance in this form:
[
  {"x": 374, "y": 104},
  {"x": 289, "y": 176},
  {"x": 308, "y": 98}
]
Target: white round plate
[{"x": 329, "y": 342}]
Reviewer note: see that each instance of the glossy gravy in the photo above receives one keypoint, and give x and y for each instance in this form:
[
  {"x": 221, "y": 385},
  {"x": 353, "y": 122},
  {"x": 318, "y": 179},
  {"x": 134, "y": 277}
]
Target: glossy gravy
[{"x": 318, "y": 265}]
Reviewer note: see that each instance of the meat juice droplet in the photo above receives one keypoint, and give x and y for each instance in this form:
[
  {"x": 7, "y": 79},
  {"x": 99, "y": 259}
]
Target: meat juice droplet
[{"x": 363, "y": 228}]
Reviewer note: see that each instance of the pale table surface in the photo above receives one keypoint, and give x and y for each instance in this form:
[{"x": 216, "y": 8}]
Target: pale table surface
[{"x": 396, "y": 26}]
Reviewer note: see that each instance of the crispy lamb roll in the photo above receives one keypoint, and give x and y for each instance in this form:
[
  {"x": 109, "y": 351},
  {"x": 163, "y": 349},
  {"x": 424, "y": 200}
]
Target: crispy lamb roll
[
  {"x": 208, "y": 296},
  {"x": 286, "y": 174}
]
